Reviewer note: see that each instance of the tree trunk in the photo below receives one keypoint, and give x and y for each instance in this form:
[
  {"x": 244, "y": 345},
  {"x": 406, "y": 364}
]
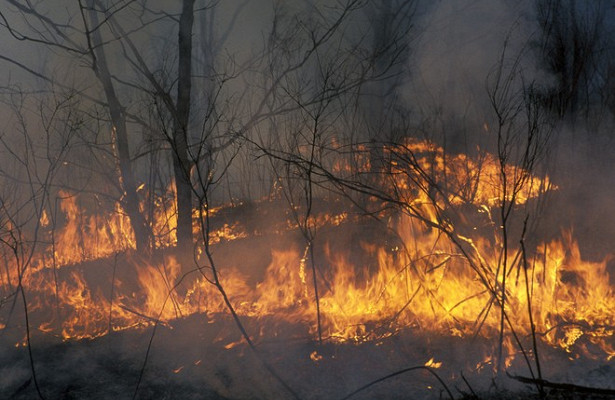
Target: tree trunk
[
  {"x": 181, "y": 161},
  {"x": 143, "y": 233}
]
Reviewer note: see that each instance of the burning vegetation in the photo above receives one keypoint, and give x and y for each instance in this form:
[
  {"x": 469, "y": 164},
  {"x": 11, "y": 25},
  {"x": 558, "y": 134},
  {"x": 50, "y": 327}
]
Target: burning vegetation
[
  {"x": 432, "y": 266},
  {"x": 187, "y": 219}
]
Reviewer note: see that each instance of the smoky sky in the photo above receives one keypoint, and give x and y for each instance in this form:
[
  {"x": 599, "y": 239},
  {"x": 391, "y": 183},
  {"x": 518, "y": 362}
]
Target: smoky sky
[
  {"x": 459, "y": 43},
  {"x": 454, "y": 46}
]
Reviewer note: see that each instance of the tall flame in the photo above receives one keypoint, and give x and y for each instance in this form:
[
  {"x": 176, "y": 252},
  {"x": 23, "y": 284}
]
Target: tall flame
[{"x": 425, "y": 278}]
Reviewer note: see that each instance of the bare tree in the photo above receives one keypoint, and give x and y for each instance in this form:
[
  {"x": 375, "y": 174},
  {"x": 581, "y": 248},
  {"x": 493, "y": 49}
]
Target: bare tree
[
  {"x": 522, "y": 135},
  {"x": 571, "y": 44},
  {"x": 180, "y": 129},
  {"x": 392, "y": 24},
  {"x": 33, "y": 156},
  {"x": 419, "y": 182},
  {"x": 143, "y": 232},
  {"x": 45, "y": 31}
]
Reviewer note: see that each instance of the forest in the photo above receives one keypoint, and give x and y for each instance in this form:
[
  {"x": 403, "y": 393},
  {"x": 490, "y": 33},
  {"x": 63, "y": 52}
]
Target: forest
[{"x": 260, "y": 199}]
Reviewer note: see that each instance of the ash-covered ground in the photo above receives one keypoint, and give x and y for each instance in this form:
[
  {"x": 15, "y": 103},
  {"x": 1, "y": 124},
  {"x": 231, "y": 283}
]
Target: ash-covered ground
[{"x": 201, "y": 358}]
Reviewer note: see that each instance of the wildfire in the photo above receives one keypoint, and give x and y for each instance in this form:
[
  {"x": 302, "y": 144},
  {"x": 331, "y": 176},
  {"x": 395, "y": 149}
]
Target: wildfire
[{"x": 450, "y": 283}]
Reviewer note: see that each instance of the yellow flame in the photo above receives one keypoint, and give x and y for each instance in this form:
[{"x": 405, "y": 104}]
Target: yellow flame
[
  {"x": 432, "y": 364},
  {"x": 44, "y": 219},
  {"x": 449, "y": 284}
]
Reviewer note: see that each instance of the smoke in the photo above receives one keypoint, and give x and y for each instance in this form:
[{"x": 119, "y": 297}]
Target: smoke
[{"x": 461, "y": 44}]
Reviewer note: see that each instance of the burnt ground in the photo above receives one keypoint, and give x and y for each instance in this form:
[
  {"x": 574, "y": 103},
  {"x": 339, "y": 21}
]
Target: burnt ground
[{"x": 201, "y": 358}]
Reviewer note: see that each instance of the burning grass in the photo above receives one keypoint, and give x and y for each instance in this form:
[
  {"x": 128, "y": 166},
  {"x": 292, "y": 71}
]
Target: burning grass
[{"x": 436, "y": 283}]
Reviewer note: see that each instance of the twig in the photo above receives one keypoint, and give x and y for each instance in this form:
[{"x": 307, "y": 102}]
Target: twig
[
  {"x": 568, "y": 387},
  {"x": 529, "y": 308},
  {"x": 29, "y": 341},
  {"x": 468, "y": 385},
  {"x": 154, "y": 320},
  {"x": 394, "y": 374},
  {"x": 111, "y": 295}
]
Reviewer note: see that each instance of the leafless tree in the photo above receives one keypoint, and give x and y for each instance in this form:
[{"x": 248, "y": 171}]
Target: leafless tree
[
  {"x": 573, "y": 44},
  {"x": 522, "y": 134},
  {"x": 434, "y": 197},
  {"x": 83, "y": 42},
  {"x": 33, "y": 156},
  {"x": 91, "y": 22}
]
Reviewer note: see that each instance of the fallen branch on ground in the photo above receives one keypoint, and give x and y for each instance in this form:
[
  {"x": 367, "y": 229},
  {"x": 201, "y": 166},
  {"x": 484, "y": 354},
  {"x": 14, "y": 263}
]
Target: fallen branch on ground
[{"x": 569, "y": 387}]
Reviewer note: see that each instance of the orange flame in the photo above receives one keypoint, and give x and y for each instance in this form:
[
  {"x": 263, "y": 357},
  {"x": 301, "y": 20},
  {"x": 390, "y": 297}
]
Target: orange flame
[{"x": 441, "y": 280}]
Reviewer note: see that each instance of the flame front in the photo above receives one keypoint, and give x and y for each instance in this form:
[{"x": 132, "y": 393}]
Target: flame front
[{"x": 451, "y": 280}]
